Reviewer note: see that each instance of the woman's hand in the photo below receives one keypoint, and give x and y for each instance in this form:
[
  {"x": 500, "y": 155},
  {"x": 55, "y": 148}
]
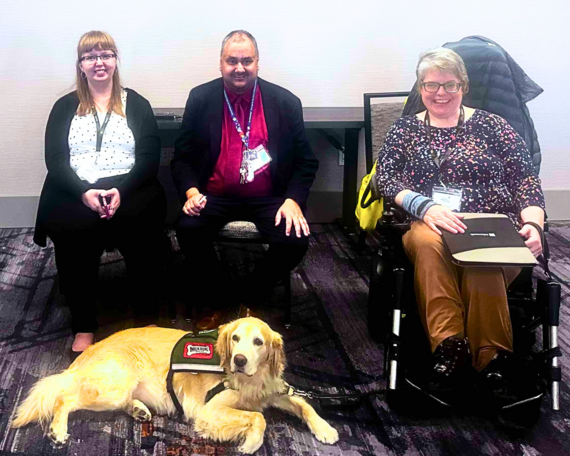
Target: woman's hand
[
  {"x": 111, "y": 202},
  {"x": 532, "y": 239},
  {"x": 91, "y": 199},
  {"x": 529, "y": 233},
  {"x": 111, "y": 199},
  {"x": 443, "y": 217}
]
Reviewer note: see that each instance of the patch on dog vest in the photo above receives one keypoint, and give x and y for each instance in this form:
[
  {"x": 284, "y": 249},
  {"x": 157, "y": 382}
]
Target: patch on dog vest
[{"x": 196, "y": 353}]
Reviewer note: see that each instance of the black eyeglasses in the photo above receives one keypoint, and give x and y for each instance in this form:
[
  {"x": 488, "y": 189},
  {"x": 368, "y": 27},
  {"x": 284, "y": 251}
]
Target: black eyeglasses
[
  {"x": 449, "y": 87},
  {"x": 93, "y": 58}
]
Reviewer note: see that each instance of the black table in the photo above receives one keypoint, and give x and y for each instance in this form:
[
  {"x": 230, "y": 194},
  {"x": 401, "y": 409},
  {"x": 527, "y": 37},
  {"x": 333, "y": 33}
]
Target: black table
[{"x": 351, "y": 120}]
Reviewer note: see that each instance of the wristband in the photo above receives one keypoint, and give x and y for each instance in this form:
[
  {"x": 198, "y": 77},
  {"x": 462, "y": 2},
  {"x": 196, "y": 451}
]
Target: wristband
[
  {"x": 423, "y": 210},
  {"x": 417, "y": 204}
]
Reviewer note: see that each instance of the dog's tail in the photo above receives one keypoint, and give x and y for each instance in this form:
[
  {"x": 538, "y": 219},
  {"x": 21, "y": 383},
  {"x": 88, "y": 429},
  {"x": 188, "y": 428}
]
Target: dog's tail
[{"x": 40, "y": 403}]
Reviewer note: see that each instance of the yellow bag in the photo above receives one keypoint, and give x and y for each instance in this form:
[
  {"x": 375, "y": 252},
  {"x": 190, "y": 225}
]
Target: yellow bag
[{"x": 369, "y": 207}]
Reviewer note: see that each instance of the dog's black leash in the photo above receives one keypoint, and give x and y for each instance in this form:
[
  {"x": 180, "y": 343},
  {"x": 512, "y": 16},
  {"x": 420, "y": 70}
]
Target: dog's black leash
[{"x": 336, "y": 401}]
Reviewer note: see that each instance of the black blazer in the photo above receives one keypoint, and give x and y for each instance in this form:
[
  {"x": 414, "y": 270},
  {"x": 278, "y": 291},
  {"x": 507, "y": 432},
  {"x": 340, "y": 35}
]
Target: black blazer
[{"x": 294, "y": 165}]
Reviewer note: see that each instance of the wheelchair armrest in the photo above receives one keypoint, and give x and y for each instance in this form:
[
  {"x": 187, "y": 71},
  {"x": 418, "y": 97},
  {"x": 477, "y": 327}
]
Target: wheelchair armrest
[{"x": 393, "y": 216}]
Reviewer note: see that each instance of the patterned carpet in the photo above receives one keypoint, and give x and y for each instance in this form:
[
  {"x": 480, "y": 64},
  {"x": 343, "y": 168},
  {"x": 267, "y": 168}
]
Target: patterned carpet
[{"x": 328, "y": 349}]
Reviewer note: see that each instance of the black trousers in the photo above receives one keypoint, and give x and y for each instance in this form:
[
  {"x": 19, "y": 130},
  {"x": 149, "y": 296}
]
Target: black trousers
[
  {"x": 80, "y": 236},
  {"x": 202, "y": 283}
]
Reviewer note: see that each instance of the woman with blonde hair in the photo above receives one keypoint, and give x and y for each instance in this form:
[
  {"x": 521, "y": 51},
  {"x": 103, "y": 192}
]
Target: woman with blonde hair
[{"x": 102, "y": 153}]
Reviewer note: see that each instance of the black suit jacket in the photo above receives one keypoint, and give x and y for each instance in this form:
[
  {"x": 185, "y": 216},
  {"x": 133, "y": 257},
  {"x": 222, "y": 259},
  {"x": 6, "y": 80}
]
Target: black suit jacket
[{"x": 294, "y": 165}]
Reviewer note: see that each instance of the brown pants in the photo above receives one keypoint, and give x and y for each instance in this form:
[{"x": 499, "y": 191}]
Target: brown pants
[{"x": 456, "y": 300}]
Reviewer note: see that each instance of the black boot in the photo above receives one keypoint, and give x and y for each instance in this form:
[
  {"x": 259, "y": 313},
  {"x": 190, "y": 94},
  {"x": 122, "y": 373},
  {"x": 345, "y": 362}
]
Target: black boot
[{"x": 449, "y": 372}]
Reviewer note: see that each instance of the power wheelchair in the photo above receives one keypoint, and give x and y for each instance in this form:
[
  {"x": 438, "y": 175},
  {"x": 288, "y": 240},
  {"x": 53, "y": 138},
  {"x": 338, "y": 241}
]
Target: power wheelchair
[{"x": 393, "y": 319}]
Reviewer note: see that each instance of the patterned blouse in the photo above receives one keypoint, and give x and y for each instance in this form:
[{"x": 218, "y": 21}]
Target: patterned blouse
[
  {"x": 117, "y": 155},
  {"x": 490, "y": 163}
]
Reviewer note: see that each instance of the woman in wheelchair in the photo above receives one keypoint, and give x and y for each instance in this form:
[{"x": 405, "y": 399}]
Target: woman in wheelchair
[{"x": 448, "y": 159}]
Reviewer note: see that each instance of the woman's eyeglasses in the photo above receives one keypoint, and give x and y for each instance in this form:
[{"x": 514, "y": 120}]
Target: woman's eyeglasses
[
  {"x": 93, "y": 58},
  {"x": 449, "y": 87}
]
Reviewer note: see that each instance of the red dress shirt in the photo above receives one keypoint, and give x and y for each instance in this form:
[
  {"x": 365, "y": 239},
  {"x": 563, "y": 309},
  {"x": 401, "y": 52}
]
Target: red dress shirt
[{"x": 225, "y": 179}]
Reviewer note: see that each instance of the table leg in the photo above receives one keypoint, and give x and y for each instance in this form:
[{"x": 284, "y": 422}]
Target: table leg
[{"x": 349, "y": 191}]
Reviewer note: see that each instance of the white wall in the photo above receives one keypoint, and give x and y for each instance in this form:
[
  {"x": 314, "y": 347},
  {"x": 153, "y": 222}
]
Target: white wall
[{"x": 327, "y": 52}]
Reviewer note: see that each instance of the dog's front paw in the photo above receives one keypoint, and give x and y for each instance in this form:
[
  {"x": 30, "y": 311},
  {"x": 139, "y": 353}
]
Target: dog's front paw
[
  {"x": 58, "y": 440},
  {"x": 251, "y": 445},
  {"x": 254, "y": 435},
  {"x": 324, "y": 432}
]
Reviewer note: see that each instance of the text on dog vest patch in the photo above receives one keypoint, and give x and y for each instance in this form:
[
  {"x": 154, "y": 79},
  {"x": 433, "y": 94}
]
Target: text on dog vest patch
[{"x": 198, "y": 350}]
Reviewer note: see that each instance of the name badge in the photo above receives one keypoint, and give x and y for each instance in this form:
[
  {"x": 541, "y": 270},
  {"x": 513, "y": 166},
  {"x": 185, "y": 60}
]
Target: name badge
[
  {"x": 258, "y": 158},
  {"x": 88, "y": 173},
  {"x": 449, "y": 197}
]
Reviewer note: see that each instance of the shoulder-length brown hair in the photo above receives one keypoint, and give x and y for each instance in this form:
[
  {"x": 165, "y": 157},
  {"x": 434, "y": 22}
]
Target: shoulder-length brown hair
[{"x": 103, "y": 41}]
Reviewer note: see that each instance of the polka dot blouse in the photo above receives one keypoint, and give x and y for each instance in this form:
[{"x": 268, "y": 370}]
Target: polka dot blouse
[
  {"x": 117, "y": 155},
  {"x": 490, "y": 163}
]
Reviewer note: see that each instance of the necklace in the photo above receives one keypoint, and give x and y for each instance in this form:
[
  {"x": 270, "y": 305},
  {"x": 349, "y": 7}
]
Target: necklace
[{"x": 451, "y": 146}]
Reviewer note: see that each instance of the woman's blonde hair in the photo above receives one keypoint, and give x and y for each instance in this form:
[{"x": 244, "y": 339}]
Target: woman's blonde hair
[
  {"x": 103, "y": 41},
  {"x": 444, "y": 60}
]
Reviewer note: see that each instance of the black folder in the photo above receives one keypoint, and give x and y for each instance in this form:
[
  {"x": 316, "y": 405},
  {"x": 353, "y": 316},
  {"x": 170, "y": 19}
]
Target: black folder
[{"x": 489, "y": 240}]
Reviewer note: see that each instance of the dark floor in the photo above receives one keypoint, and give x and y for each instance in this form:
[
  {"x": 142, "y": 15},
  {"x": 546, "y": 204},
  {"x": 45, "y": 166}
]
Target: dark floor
[{"x": 328, "y": 349}]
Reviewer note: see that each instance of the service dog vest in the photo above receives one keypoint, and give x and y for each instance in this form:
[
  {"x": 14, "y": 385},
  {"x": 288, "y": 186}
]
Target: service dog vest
[{"x": 195, "y": 353}]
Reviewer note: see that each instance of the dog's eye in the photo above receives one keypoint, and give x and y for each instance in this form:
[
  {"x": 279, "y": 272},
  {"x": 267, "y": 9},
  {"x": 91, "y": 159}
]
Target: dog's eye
[
  {"x": 257, "y": 341},
  {"x": 235, "y": 338}
]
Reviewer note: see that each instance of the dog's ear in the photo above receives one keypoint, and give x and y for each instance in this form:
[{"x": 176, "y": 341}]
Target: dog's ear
[
  {"x": 223, "y": 344},
  {"x": 276, "y": 355}
]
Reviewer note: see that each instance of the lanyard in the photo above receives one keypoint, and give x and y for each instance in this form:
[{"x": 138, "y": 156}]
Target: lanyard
[
  {"x": 100, "y": 129},
  {"x": 439, "y": 162},
  {"x": 244, "y": 137}
]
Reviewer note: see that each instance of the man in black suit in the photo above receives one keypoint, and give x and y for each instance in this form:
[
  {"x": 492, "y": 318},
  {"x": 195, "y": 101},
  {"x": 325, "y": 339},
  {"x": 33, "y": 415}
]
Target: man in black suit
[{"x": 242, "y": 155}]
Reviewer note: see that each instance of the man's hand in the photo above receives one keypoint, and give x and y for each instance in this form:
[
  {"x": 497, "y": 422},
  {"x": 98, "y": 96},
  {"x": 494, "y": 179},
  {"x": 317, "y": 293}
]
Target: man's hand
[
  {"x": 443, "y": 217},
  {"x": 194, "y": 204},
  {"x": 293, "y": 215},
  {"x": 532, "y": 239}
]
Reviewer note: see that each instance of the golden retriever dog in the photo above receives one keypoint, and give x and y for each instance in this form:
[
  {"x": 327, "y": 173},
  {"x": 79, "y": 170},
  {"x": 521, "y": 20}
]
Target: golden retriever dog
[{"x": 127, "y": 371}]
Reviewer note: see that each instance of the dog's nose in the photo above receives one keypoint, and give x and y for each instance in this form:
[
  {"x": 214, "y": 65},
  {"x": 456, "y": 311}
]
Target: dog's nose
[{"x": 240, "y": 360}]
